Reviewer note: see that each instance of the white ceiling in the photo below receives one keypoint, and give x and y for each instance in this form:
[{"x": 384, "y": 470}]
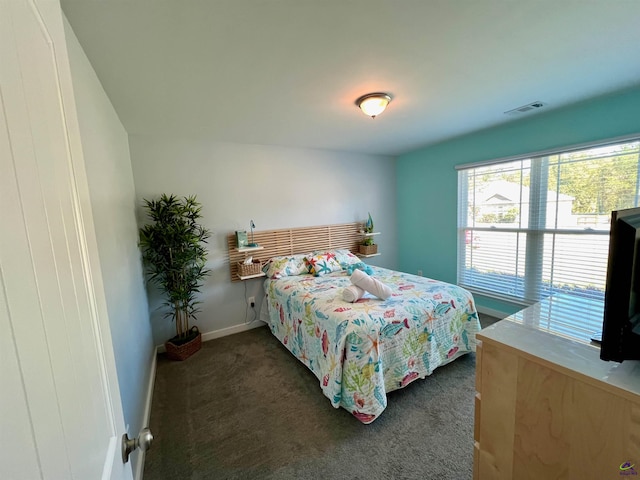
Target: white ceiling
[{"x": 287, "y": 72}]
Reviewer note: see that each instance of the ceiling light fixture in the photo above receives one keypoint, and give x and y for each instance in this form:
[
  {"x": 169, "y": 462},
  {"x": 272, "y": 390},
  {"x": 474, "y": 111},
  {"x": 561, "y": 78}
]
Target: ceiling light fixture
[{"x": 373, "y": 104}]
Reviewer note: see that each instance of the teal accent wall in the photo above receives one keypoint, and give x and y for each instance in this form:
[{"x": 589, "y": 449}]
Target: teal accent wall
[{"x": 427, "y": 182}]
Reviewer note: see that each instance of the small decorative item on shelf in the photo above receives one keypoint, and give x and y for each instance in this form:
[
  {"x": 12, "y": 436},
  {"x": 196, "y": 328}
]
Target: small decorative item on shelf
[
  {"x": 367, "y": 247},
  {"x": 368, "y": 227},
  {"x": 241, "y": 238},
  {"x": 249, "y": 267}
]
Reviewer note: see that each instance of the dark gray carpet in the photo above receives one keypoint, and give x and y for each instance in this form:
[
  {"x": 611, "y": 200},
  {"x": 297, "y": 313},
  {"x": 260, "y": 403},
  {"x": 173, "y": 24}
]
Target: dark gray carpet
[{"x": 244, "y": 408}]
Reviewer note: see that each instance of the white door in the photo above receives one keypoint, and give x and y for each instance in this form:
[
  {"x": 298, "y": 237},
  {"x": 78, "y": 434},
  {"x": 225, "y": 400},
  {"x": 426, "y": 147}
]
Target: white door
[{"x": 60, "y": 410}]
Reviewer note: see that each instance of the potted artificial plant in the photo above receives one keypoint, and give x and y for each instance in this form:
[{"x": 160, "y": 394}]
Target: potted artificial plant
[
  {"x": 367, "y": 247},
  {"x": 174, "y": 256}
]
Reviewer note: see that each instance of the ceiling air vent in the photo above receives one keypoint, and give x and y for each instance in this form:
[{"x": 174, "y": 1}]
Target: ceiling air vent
[{"x": 526, "y": 108}]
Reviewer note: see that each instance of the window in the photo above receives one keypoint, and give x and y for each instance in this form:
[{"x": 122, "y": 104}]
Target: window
[{"x": 533, "y": 227}]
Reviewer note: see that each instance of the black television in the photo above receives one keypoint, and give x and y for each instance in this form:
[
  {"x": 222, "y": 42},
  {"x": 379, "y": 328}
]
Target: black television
[{"x": 621, "y": 324}]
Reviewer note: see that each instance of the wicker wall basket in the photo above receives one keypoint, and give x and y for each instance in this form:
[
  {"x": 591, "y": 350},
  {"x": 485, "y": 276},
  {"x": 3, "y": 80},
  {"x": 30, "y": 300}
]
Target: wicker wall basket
[
  {"x": 368, "y": 249},
  {"x": 184, "y": 350},
  {"x": 253, "y": 268}
]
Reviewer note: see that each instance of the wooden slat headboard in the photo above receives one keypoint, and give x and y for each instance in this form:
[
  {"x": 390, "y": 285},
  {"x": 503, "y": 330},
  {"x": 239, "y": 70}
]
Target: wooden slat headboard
[{"x": 290, "y": 241}]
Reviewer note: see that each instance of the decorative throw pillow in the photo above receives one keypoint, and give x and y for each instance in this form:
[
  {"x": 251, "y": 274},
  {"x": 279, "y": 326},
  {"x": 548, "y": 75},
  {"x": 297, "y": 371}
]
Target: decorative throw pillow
[
  {"x": 286, "y": 266},
  {"x": 343, "y": 256},
  {"x": 319, "y": 265}
]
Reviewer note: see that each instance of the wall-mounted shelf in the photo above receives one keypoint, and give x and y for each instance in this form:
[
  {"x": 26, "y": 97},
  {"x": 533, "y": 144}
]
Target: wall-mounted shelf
[
  {"x": 249, "y": 249},
  {"x": 370, "y": 234},
  {"x": 362, "y": 255},
  {"x": 257, "y": 275}
]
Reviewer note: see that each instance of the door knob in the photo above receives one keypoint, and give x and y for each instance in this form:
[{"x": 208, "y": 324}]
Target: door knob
[{"x": 143, "y": 442}]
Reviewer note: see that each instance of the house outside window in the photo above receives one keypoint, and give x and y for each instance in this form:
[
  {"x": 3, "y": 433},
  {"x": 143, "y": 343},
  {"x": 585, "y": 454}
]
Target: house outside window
[{"x": 538, "y": 226}]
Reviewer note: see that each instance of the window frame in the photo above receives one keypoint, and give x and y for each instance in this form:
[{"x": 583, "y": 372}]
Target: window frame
[{"x": 535, "y": 233}]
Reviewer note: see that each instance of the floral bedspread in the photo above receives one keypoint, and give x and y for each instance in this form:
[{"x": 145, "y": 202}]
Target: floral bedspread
[{"x": 360, "y": 351}]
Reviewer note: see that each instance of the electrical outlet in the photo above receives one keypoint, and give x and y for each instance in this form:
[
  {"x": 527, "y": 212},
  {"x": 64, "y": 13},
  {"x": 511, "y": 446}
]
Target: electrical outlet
[
  {"x": 251, "y": 301},
  {"x": 419, "y": 273}
]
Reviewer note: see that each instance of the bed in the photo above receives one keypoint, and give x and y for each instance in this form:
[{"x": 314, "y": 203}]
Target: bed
[{"x": 361, "y": 351}]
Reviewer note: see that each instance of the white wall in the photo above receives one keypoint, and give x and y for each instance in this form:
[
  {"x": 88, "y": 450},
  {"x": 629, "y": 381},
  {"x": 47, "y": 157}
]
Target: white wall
[
  {"x": 106, "y": 153},
  {"x": 277, "y": 187}
]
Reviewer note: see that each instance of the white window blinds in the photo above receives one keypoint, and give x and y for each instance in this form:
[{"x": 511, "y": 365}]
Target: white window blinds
[{"x": 539, "y": 226}]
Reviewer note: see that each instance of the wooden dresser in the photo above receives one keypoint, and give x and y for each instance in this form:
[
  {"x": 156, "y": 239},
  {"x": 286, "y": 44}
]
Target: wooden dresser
[{"x": 548, "y": 408}]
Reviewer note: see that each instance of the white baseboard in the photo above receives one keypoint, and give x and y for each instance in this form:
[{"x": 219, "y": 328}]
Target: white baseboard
[
  {"x": 223, "y": 332},
  {"x": 492, "y": 312},
  {"x": 147, "y": 414}
]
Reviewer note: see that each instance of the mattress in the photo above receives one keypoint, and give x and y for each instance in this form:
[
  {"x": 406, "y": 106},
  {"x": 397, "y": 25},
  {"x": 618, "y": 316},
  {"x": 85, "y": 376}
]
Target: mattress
[{"x": 361, "y": 351}]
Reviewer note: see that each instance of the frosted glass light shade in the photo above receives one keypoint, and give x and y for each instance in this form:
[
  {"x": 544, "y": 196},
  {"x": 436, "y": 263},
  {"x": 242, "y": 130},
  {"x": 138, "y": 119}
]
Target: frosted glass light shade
[{"x": 374, "y": 103}]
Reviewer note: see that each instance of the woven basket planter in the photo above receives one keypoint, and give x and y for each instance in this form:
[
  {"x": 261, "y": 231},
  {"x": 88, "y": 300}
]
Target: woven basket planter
[
  {"x": 252, "y": 269},
  {"x": 183, "y": 350},
  {"x": 368, "y": 249}
]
